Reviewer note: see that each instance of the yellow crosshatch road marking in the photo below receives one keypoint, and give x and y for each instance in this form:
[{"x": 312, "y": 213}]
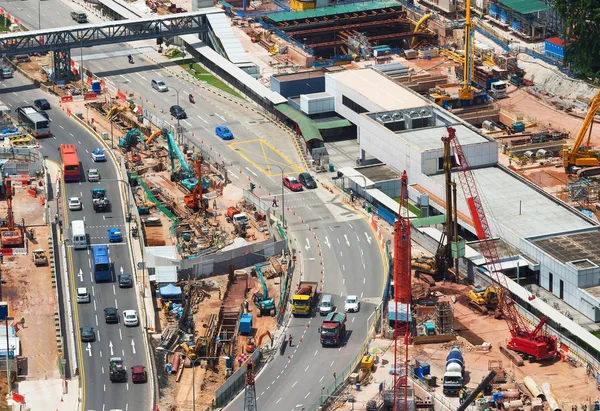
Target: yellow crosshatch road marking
[{"x": 265, "y": 157}]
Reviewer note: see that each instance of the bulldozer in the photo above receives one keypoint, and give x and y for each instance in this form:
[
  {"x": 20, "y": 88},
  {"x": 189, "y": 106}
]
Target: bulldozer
[{"x": 483, "y": 299}]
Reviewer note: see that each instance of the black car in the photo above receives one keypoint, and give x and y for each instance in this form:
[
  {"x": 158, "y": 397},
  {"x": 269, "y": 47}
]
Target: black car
[
  {"x": 87, "y": 334},
  {"x": 111, "y": 316},
  {"x": 42, "y": 104},
  {"x": 125, "y": 281},
  {"x": 307, "y": 180},
  {"x": 178, "y": 112}
]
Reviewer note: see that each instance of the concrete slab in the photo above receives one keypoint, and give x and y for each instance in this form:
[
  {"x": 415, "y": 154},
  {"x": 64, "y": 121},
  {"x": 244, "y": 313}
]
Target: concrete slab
[{"x": 49, "y": 394}]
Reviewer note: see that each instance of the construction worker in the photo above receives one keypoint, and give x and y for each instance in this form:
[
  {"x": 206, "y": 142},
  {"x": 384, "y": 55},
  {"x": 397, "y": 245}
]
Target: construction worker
[
  {"x": 274, "y": 201},
  {"x": 461, "y": 396},
  {"x": 290, "y": 340},
  {"x": 246, "y": 306},
  {"x": 215, "y": 204}
]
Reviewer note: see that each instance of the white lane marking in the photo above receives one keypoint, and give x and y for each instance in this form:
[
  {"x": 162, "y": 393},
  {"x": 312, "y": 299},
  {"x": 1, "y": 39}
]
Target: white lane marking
[
  {"x": 307, "y": 246},
  {"x": 341, "y": 254},
  {"x": 344, "y": 269},
  {"x": 141, "y": 76},
  {"x": 187, "y": 122},
  {"x": 98, "y": 332},
  {"x": 116, "y": 304},
  {"x": 61, "y": 126},
  {"x": 307, "y": 395},
  {"x": 307, "y": 367},
  {"x": 202, "y": 119},
  {"x": 114, "y": 290},
  {"x": 89, "y": 349},
  {"x": 277, "y": 402},
  {"x": 110, "y": 345},
  {"x": 220, "y": 116},
  {"x": 353, "y": 318},
  {"x": 332, "y": 363},
  {"x": 80, "y": 275},
  {"x": 322, "y": 378},
  {"x": 133, "y": 346},
  {"x": 255, "y": 175},
  {"x": 313, "y": 356},
  {"x": 120, "y": 334},
  {"x": 368, "y": 238},
  {"x": 95, "y": 309},
  {"x": 364, "y": 280},
  {"x": 327, "y": 243},
  {"x": 123, "y": 76},
  {"x": 308, "y": 207},
  {"x": 347, "y": 241},
  {"x": 96, "y": 320},
  {"x": 71, "y": 134}
]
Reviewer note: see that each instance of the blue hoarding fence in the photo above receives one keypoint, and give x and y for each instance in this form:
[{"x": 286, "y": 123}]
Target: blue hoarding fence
[{"x": 386, "y": 214}]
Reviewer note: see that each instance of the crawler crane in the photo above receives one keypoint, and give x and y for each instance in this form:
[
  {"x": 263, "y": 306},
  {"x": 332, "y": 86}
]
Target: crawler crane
[{"x": 581, "y": 156}]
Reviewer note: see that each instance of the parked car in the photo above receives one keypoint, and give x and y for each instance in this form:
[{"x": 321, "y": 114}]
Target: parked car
[
  {"x": 125, "y": 281},
  {"x": 98, "y": 155},
  {"x": 93, "y": 175},
  {"x": 75, "y": 204},
  {"x": 130, "y": 318},
  {"x": 114, "y": 235},
  {"x": 352, "y": 304},
  {"x": 307, "y": 180},
  {"x": 111, "y": 315},
  {"x": 159, "y": 85},
  {"x": 224, "y": 133},
  {"x": 291, "y": 183},
  {"x": 42, "y": 104},
  {"x": 87, "y": 334},
  {"x": 138, "y": 374},
  {"x": 178, "y": 112}
]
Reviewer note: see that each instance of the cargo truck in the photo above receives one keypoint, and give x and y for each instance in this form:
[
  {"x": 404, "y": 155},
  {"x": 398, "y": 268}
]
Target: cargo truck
[
  {"x": 305, "y": 298},
  {"x": 116, "y": 370},
  {"x": 333, "y": 329},
  {"x": 454, "y": 375},
  {"x": 100, "y": 200}
]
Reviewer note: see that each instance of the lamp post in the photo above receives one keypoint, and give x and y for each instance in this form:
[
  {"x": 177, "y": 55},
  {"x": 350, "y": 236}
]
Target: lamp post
[
  {"x": 282, "y": 169},
  {"x": 177, "y": 90},
  {"x": 193, "y": 361},
  {"x": 40, "y": 14}
]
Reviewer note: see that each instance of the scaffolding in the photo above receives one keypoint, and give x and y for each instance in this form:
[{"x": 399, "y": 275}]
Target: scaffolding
[
  {"x": 359, "y": 44},
  {"x": 584, "y": 191},
  {"x": 444, "y": 318}
]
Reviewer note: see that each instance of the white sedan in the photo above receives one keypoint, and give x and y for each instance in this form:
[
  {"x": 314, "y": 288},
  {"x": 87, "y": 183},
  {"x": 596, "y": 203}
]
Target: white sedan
[
  {"x": 352, "y": 304},
  {"x": 75, "y": 204},
  {"x": 130, "y": 318}
]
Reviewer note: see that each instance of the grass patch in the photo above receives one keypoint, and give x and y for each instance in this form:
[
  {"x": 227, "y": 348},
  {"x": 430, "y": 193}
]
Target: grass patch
[
  {"x": 174, "y": 55},
  {"x": 595, "y": 333},
  {"x": 413, "y": 209},
  {"x": 202, "y": 74}
]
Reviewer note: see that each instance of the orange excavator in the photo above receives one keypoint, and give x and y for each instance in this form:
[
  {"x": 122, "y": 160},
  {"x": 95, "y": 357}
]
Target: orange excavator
[
  {"x": 194, "y": 200},
  {"x": 10, "y": 236}
]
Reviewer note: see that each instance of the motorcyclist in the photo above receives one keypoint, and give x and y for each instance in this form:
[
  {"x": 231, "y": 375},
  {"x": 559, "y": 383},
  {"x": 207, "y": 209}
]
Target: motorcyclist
[
  {"x": 192, "y": 99},
  {"x": 130, "y": 57}
]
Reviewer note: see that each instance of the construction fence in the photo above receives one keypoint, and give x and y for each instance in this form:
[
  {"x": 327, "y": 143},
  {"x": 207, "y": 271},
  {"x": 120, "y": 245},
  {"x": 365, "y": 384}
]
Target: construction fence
[{"x": 237, "y": 381}]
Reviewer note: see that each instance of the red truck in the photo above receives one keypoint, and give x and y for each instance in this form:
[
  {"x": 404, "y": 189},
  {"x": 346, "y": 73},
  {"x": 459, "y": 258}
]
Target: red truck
[{"x": 333, "y": 329}]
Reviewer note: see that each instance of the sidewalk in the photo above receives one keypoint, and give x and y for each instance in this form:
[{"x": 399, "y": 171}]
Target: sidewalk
[{"x": 47, "y": 395}]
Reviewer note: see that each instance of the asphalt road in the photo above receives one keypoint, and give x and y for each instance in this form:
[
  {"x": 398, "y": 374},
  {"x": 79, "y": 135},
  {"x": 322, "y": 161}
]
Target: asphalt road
[
  {"x": 330, "y": 238},
  {"x": 127, "y": 342}
]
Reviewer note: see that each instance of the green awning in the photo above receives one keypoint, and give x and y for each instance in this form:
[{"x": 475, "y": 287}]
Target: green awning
[
  {"x": 332, "y": 10},
  {"x": 328, "y": 125},
  {"x": 428, "y": 221},
  {"x": 307, "y": 126},
  {"x": 525, "y": 6}
]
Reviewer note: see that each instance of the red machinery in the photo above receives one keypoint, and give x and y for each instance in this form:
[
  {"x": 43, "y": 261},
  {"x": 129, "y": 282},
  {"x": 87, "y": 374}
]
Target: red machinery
[
  {"x": 534, "y": 342},
  {"x": 11, "y": 236},
  {"x": 250, "y": 391},
  {"x": 402, "y": 290},
  {"x": 194, "y": 200}
]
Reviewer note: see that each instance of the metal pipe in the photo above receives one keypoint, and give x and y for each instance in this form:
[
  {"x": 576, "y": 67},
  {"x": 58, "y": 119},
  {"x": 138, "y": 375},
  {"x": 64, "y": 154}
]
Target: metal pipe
[{"x": 532, "y": 387}]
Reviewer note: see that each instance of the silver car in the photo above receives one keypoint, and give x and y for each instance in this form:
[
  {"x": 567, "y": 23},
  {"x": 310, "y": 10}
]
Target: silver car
[
  {"x": 93, "y": 175},
  {"x": 159, "y": 85}
]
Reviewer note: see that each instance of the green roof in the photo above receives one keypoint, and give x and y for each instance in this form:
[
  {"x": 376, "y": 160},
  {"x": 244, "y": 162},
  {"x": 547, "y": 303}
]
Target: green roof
[
  {"x": 525, "y": 6},
  {"x": 428, "y": 221},
  {"x": 332, "y": 10},
  {"x": 308, "y": 127},
  {"x": 329, "y": 124}
]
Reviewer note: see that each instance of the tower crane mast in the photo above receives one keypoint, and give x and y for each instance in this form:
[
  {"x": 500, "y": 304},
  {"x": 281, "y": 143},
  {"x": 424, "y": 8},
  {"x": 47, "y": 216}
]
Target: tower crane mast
[
  {"x": 466, "y": 91},
  {"x": 534, "y": 343}
]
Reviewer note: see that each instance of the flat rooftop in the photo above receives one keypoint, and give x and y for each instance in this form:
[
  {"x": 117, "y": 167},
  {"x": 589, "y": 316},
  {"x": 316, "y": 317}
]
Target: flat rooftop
[
  {"x": 379, "y": 172},
  {"x": 430, "y": 138},
  {"x": 575, "y": 247},
  {"x": 299, "y": 76},
  {"x": 371, "y": 85},
  {"x": 516, "y": 206}
]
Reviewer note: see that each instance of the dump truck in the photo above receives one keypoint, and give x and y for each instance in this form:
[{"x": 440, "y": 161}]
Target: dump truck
[
  {"x": 454, "y": 375},
  {"x": 333, "y": 329},
  {"x": 39, "y": 257},
  {"x": 304, "y": 299},
  {"x": 100, "y": 200},
  {"x": 116, "y": 370}
]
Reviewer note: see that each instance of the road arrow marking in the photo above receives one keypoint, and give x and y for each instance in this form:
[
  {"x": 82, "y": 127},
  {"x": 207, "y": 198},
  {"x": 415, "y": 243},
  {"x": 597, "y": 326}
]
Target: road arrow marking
[
  {"x": 347, "y": 241},
  {"x": 111, "y": 348},
  {"x": 133, "y": 346},
  {"x": 89, "y": 349},
  {"x": 121, "y": 270},
  {"x": 307, "y": 246},
  {"x": 327, "y": 243},
  {"x": 368, "y": 238},
  {"x": 80, "y": 275}
]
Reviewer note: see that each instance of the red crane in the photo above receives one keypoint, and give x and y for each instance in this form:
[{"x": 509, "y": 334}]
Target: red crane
[
  {"x": 250, "y": 391},
  {"x": 402, "y": 290},
  {"x": 534, "y": 342}
]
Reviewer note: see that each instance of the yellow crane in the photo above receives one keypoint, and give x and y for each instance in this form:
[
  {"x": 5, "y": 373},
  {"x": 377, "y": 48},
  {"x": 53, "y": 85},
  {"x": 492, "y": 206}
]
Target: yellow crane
[
  {"x": 466, "y": 91},
  {"x": 578, "y": 155}
]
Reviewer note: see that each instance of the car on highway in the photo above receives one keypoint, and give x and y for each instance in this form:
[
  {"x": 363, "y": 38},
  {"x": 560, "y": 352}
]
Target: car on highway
[
  {"x": 98, "y": 155},
  {"x": 307, "y": 180},
  {"x": 114, "y": 235},
  {"x": 138, "y": 374},
  {"x": 75, "y": 204},
  {"x": 111, "y": 315},
  {"x": 93, "y": 175},
  {"x": 42, "y": 104},
  {"x": 87, "y": 334},
  {"x": 178, "y": 112},
  {"x": 292, "y": 183},
  {"x": 159, "y": 85},
  {"x": 224, "y": 133},
  {"x": 125, "y": 281},
  {"x": 83, "y": 295},
  {"x": 130, "y": 318},
  {"x": 352, "y": 304}
]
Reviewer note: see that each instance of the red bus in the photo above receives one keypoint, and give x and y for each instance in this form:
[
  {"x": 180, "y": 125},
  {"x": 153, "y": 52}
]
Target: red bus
[{"x": 70, "y": 161}]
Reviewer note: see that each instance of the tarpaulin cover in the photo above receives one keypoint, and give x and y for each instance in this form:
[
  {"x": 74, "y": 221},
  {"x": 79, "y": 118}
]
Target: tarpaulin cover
[{"x": 170, "y": 291}]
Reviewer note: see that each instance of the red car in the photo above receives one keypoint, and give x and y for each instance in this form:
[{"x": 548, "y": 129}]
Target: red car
[
  {"x": 292, "y": 183},
  {"x": 138, "y": 374}
]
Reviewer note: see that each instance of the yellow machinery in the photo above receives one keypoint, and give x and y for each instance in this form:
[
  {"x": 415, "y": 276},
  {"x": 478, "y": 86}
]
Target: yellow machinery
[
  {"x": 114, "y": 110},
  {"x": 418, "y": 26},
  {"x": 481, "y": 299},
  {"x": 190, "y": 350},
  {"x": 578, "y": 155},
  {"x": 466, "y": 91},
  {"x": 153, "y": 136}
]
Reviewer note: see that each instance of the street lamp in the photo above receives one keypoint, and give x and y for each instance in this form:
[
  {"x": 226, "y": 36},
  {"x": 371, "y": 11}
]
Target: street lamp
[
  {"x": 282, "y": 188},
  {"x": 193, "y": 361},
  {"x": 177, "y": 90}
]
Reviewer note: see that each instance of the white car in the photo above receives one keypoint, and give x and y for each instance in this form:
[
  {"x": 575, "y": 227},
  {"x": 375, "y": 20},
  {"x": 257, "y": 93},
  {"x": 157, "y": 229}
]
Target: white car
[
  {"x": 75, "y": 204},
  {"x": 352, "y": 304},
  {"x": 93, "y": 175},
  {"x": 130, "y": 318},
  {"x": 98, "y": 155}
]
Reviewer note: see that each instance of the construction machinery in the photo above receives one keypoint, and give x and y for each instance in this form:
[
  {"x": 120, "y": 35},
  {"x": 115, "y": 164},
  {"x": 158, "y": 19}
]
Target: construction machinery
[
  {"x": 250, "y": 390},
  {"x": 483, "y": 299},
  {"x": 39, "y": 257},
  {"x": 534, "y": 343},
  {"x": 577, "y": 156},
  {"x": 153, "y": 136},
  {"x": 333, "y": 329},
  {"x": 304, "y": 299},
  {"x": 263, "y": 303},
  {"x": 10, "y": 236},
  {"x": 131, "y": 139},
  {"x": 190, "y": 350},
  {"x": 184, "y": 171},
  {"x": 194, "y": 200},
  {"x": 99, "y": 199},
  {"x": 114, "y": 110}
]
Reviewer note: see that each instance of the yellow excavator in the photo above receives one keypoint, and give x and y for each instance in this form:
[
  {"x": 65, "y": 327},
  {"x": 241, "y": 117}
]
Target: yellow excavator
[
  {"x": 578, "y": 155},
  {"x": 483, "y": 299}
]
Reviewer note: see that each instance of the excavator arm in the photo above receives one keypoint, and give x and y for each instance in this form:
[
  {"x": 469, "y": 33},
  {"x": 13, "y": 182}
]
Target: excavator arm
[{"x": 572, "y": 156}]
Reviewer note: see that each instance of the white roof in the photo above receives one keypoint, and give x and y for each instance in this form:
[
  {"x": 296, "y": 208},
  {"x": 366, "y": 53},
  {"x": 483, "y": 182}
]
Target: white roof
[
  {"x": 233, "y": 46},
  {"x": 430, "y": 138},
  {"x": 381, "y": 90},
  {"x": 356, "y": 176},
  {"x": 161, "y": 256},
  {"x": 163, "y": 275},
  {"x": 384, "y": 199}
]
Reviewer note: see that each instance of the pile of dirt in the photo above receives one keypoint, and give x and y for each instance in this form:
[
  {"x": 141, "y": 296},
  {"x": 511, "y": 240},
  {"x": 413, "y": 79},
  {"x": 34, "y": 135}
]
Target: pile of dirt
[{"x": 154, "y": 236}]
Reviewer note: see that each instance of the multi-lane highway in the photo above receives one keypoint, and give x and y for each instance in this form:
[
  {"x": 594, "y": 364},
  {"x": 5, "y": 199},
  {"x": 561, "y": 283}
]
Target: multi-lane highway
[{"x": 335, "y": 245}]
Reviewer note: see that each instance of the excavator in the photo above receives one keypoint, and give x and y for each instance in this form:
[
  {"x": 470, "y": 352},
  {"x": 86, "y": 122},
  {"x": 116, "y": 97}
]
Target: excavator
[
  {"x": 577, "y": 156},
  {"x": 482, "y": 299},
  {"x": 263, "y": 303},
  {"x": 10, "y": 236},
  {"x": 153, "y": 136},
  {"x": 194, "y": 200},
  {"x": 251, "y": 344}
]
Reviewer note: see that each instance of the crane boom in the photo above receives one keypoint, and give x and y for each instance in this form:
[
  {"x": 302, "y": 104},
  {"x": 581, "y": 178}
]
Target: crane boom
[
  {"x": 572, "y": 156},
  {"x": 466, "y": 92},
  {"x": 523, "y": 340}
]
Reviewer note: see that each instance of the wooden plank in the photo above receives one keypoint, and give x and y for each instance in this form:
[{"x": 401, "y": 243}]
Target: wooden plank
[{"x": 511, "y": 355}]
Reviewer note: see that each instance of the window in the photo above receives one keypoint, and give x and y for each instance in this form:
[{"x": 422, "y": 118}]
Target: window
[
  {"x": 441, "y": 162},
  {"x": 353, "y": 106},
  {"x": 562, "y": 290},
  {"x": 550, "y": 282}
]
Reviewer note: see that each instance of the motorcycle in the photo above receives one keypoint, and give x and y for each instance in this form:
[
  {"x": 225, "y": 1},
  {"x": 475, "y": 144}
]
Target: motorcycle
[
  {"x": 192, "y": 99},
  {"x": 130, "y": 59}
]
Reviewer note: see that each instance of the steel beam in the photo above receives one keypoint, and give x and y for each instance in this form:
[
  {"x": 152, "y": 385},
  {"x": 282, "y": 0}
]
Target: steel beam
[
  {"x": 88, "y": 35},
  {"x": 372, "y": 39},
  {"x": 348, "y": 26}
]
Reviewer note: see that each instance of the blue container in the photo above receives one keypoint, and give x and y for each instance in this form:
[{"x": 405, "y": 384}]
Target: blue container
[
  {"x": 96, "y": 87},
  {"x": 424, "y": 369},
  {"x": 246, "y": 323}
]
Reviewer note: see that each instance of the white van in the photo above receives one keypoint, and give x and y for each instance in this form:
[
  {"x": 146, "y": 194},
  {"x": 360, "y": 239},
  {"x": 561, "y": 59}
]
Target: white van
[{"x": 78, "y": 235}]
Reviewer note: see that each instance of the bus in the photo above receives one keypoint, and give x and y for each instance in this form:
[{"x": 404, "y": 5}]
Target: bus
[
  {"x": 33, "y": 121},
  {"x": 101, "y": 262},
  {"x": 78, "y": 235},
  {"x": 68, "y": 155}
]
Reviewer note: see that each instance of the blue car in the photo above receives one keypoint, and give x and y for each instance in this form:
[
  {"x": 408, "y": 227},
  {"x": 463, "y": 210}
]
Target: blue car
[
  {"x": 114, "y": 235},
  {"x": 98, "y": 155},
  {"x": 224, "y": 133}
]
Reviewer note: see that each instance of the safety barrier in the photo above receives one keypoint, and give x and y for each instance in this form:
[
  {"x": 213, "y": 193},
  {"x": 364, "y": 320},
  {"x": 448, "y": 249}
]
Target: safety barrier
[{"x": 236, "y": 382}]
